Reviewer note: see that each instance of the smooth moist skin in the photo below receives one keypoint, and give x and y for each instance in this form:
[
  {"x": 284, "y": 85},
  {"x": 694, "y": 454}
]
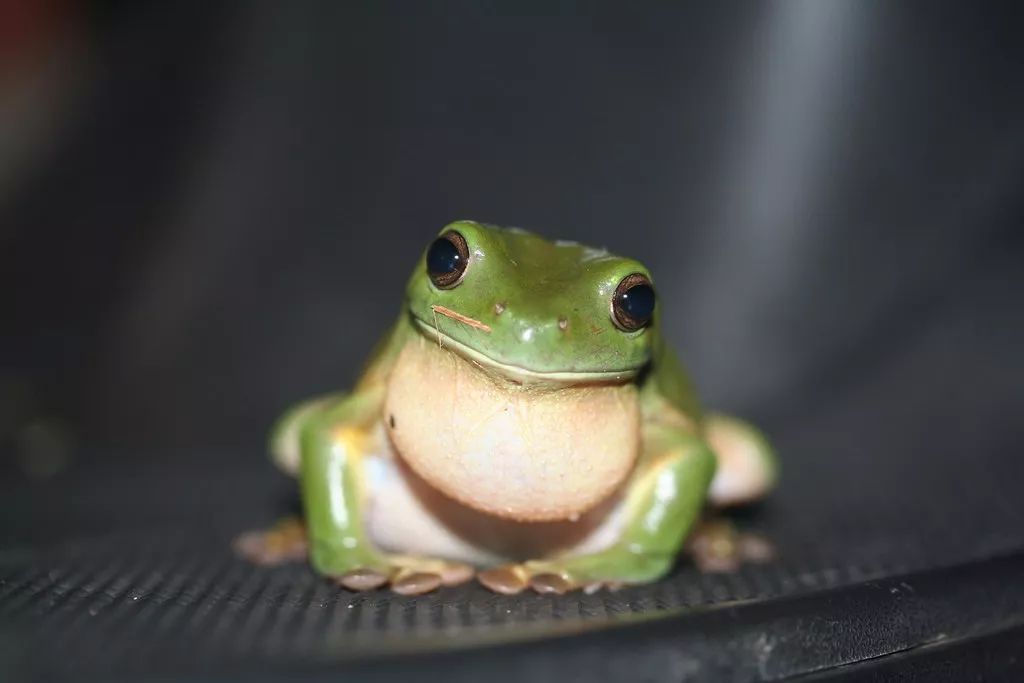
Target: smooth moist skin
[
  {"x": 525, "y": 415},
  {"x": 528, "y": 452}
]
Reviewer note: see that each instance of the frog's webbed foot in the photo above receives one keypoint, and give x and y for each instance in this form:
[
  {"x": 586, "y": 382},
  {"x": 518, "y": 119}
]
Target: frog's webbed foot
[
  {"x": 405, "y": 574},
  {"x": 408, "y": 575},
  {"x": 282, "y": 543},
  {"x": 287, "y": 542},
  {"x": 611, "y": 569},
  {"x": 512, "y": 579},
  {"x": 716, "y": 546}
]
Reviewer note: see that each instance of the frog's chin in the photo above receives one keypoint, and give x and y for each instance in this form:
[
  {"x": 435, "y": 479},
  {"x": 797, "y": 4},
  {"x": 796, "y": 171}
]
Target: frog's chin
[{"x": 517, "y": 373}]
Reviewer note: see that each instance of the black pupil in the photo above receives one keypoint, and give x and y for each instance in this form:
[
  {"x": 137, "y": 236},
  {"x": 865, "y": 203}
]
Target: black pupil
[
  {"x": 443, "y": 258},
  {"x": 638, "y": 302}
]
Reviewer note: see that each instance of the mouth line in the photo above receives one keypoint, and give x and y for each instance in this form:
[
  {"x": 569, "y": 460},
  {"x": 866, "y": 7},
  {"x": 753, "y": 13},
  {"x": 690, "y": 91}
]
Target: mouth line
[{"x": 517, "y": 372}]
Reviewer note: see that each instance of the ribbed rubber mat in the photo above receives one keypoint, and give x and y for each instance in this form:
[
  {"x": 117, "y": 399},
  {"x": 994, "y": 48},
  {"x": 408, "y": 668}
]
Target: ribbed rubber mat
[{"x": 174, "y": 598}]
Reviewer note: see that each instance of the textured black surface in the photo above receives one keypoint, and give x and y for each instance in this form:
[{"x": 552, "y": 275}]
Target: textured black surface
[{"x": 124, "y": 608}]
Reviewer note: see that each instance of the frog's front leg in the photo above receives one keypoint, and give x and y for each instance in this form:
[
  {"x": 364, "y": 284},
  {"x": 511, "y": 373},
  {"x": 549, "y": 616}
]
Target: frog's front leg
[
  {"x": 663, "y": 501},
  {"x": 334, "y": 442}
]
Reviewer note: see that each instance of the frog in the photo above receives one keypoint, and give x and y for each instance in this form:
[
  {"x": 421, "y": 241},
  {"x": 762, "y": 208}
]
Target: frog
[{"x": 524, "y": 421}]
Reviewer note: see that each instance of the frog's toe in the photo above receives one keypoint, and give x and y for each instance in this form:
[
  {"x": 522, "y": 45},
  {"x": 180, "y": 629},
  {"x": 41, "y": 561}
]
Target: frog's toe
[
  {"x": 716, "y": 546},
  {"x": 508, "y": 580},
  {"x": 551, "y": 583},
  {"x": 406, "y": 575},
  {"x": 415, "y": 575},
  {"x": 559, "y": 584},
  {"x": 613, "y": 568},
  {"x": 415, "y": 583},
  {"x": 755, "y": 548},
  {"x": 456, "y": 573},
  {"x": 284, "y": 542},
  {"x": 595, "y": 586},
  {"x": 550, "y": 578},
  {"x": 363, "y": 579}
]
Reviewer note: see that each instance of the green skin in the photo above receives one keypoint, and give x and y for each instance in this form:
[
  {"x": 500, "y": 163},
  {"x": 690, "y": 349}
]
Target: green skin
[{"x": 547, "y": 281}]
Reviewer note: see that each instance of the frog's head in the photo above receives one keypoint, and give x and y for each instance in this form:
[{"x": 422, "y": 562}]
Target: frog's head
[{"x": 532, "y": 309}]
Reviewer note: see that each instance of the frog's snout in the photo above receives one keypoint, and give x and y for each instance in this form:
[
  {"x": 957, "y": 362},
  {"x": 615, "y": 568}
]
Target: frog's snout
[
  {"x": 500, "y": 306},
  {"x": 527, "y": 328}
]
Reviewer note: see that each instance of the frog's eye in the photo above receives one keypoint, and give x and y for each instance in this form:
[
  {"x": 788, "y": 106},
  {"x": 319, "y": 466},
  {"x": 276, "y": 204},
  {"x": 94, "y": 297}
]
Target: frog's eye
[
  {"x": 447, "y": 259},
  {"x": 633, "y": 303}
]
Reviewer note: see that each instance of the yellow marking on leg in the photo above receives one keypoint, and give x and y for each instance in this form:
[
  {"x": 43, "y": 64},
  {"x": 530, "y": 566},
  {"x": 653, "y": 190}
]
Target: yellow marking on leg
[{"x": 354, "y": 440}]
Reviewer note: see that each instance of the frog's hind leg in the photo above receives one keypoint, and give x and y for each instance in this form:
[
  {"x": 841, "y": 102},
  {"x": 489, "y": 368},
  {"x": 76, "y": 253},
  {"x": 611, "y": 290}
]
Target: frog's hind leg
[
  {"x": 284, "y": 437},
  {"x": 286, "y": 541},
  {"x": 747, "y": 468}
]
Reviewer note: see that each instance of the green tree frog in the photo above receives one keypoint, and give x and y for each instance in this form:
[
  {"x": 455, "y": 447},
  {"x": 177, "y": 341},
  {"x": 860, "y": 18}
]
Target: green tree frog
[{"x": 523, "y": 421}]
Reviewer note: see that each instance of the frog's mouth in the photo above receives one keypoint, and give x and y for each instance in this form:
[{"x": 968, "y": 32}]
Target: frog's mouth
[{"x": 517, "y": 373}]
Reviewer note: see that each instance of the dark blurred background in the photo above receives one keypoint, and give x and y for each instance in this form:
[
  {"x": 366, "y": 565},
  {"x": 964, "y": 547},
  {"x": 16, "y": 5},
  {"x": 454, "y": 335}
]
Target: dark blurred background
[{"x": 209, "y": 210}]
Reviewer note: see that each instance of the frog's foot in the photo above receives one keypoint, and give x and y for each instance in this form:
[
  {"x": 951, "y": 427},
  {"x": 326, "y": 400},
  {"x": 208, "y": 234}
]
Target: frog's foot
[
  {"x": 747, "y": 468},
  {"x": 716, "y": 546},
  {"x": 282, "y": 543},
  {"x": 406, "y": 574},
  {"x": 286, "y": 541},
  {"x": 612, "y": 569}
]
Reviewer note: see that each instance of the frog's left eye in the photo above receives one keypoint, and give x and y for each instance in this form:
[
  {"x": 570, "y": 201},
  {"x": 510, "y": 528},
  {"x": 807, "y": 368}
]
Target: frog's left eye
[
  {"x": 633, "y": 303},
  {"x": 447, "y": 259}
]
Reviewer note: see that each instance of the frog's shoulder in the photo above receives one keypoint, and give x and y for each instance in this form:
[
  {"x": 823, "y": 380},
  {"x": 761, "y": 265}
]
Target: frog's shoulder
[{"x": 667, "y": 378}]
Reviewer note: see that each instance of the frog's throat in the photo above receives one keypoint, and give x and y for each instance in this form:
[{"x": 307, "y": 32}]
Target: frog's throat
[{"x": 517, "y": 373}]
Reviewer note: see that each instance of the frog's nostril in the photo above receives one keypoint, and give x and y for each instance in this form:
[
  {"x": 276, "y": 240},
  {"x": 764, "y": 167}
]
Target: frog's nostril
[
  {"x": 499, "y": 308},
  {"x": 563, "y": 323}
]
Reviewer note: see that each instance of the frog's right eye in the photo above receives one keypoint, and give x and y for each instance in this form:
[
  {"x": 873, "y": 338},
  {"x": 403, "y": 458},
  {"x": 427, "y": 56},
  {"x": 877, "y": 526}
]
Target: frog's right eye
[
  {"x": 447, "y": 259},
  {"x": 633, "y": 303}
]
